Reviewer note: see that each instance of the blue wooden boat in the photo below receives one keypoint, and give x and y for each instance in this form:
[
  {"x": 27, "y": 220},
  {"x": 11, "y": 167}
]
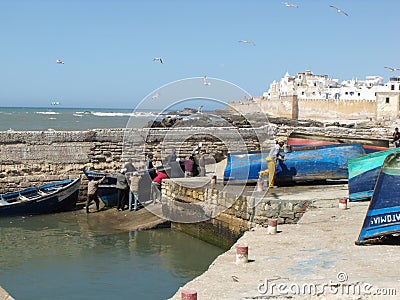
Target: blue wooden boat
[
  {"x": 363, "y": 172},
  {"x": 383, "y": 215},
  {"x": 107, "y": 190},
  {"x": 48, "y": 198},
  {"x": 303, "y": 164}
]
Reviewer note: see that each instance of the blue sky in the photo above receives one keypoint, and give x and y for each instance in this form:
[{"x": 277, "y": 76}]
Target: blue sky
[{"x": 108, "y": 46}]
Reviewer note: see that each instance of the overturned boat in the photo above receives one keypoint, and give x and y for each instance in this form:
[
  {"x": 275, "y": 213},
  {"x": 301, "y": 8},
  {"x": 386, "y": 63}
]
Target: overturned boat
[
  {"x": 48, "y": 198},
  {"x": 383, "y": 215},
  {"x": 302, "y": 164},
  {"x": 363, "y": 173},
  {"x": 298, "y": 139}
]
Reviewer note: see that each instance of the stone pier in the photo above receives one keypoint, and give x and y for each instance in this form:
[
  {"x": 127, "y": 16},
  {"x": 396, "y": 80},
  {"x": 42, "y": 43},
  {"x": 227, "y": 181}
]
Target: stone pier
[{"x": 233, "y": 211}]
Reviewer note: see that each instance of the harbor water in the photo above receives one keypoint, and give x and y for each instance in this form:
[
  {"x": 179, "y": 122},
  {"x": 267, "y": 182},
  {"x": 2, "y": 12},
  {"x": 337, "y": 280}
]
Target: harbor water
[
  {"x": 57, "y": 118},
  {"x": 69, "y": 256}
]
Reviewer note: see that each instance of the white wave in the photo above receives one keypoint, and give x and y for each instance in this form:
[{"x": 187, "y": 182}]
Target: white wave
[
  {"x": 52, "y": 118},
  {"x": 120, "y": 114},
  {"x": 47, "y": 113},
  {"x": 77, "y": 115}
]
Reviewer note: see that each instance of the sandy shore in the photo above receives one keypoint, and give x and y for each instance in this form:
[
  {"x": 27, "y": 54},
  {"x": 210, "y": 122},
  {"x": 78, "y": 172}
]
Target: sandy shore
[{"x": 318, "y": 251}]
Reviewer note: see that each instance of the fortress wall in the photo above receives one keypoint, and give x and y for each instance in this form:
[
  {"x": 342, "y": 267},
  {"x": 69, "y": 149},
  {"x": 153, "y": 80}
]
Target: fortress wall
[
  {"x": 316, "y": 109},
  {"x": 320, "y": 109}
]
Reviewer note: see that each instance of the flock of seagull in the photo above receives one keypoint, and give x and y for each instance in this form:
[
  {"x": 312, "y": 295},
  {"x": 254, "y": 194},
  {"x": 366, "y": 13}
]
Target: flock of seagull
[
  {"x": 340, "y": 11},
  {"x": 287, "y": 4}
]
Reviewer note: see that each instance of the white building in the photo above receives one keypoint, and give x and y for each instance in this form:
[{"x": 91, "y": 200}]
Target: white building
[{"x": 306, "y": 85}]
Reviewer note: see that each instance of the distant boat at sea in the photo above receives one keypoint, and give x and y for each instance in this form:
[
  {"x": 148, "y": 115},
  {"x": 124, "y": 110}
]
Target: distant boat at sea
[
  {"x": 55, "y": 103},
  {"x": 48, "y": 198}
]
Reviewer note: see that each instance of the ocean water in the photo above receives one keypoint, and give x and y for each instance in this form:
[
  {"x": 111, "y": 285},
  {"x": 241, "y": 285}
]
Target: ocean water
[
  {"x": 58, "y": 118},
  {"x": 66, "y": 256}
]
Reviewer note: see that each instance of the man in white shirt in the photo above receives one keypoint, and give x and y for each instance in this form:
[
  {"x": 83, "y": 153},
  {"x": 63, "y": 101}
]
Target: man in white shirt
[{"x": 274, "y": 155}]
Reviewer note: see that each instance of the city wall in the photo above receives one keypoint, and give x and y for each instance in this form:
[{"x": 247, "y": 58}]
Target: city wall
[{"x": 316, "y": 109}]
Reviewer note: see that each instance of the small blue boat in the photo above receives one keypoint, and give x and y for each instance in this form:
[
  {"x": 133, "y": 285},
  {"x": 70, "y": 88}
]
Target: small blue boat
[
  {"x": 363, "y": 172},
  {"x": 302, "y": 164},
  {"x": 48, "y": 198},
  {"x": 383, "y": 215},
  {"x": 107, "y": 190}
]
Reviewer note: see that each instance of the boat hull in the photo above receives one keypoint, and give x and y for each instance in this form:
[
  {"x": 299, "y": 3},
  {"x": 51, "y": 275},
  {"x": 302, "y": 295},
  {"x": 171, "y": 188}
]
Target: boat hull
[
  {"x": 108, "y": 191},
  {"x": 383, "y": 215},
  {"x": 63, "y": 199},
  {"x": 311, "y": 164},
  {"x": 370, "y": 145},
  {"x": 363, "y": 173}
]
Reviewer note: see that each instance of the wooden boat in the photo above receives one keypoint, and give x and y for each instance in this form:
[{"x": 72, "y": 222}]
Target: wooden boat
[
  {"x": 363, "y": 172},
  {"x": 108, "y": 192},
  {"x": 48, "y": 198},
  {"x": 369, "y": 144},
  {"x": 383, "y": 215},
  {"x": 306, "y": 164}
]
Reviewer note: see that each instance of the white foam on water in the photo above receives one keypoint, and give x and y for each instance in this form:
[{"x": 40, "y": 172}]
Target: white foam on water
[{"x": 47, "y": 113}]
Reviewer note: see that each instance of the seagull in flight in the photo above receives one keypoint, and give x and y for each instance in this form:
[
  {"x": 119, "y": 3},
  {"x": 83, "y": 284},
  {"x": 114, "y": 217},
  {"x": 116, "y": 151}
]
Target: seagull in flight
[
  {"x": 290, "y": 4},
  {"x": 339, "y": 10},
  {"x": 59, "y": 61},
  {"x": 392, "y": 69},
  {"x": 158, "y": 59},
  {"x": 247, "y": 42},
  {"x": 205, "y": 81}
]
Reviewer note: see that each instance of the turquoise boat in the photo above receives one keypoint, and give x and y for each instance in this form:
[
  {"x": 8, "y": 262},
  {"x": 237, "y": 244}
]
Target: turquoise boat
[
  {"x": 383, "y": 215},
  {"x": 363, "y": 172}
]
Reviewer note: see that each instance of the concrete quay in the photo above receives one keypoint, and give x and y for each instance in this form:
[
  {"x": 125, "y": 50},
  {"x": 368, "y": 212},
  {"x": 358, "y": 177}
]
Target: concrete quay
[
  {"x": 4, "y": 295},
  {"x": 313, "y": 259}
]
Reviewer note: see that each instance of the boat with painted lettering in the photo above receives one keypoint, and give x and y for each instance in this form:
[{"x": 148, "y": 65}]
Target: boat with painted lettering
[
  {"x": 47, "y": 198},
  {"x": 383, "y": 215},
  {"x": 363, "y": 173},
  {"x": 303, "y": 164}
]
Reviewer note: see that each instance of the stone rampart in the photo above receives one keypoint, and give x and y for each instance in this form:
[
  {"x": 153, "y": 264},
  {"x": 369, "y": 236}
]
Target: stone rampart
[{"x": 316, "y": 109}]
